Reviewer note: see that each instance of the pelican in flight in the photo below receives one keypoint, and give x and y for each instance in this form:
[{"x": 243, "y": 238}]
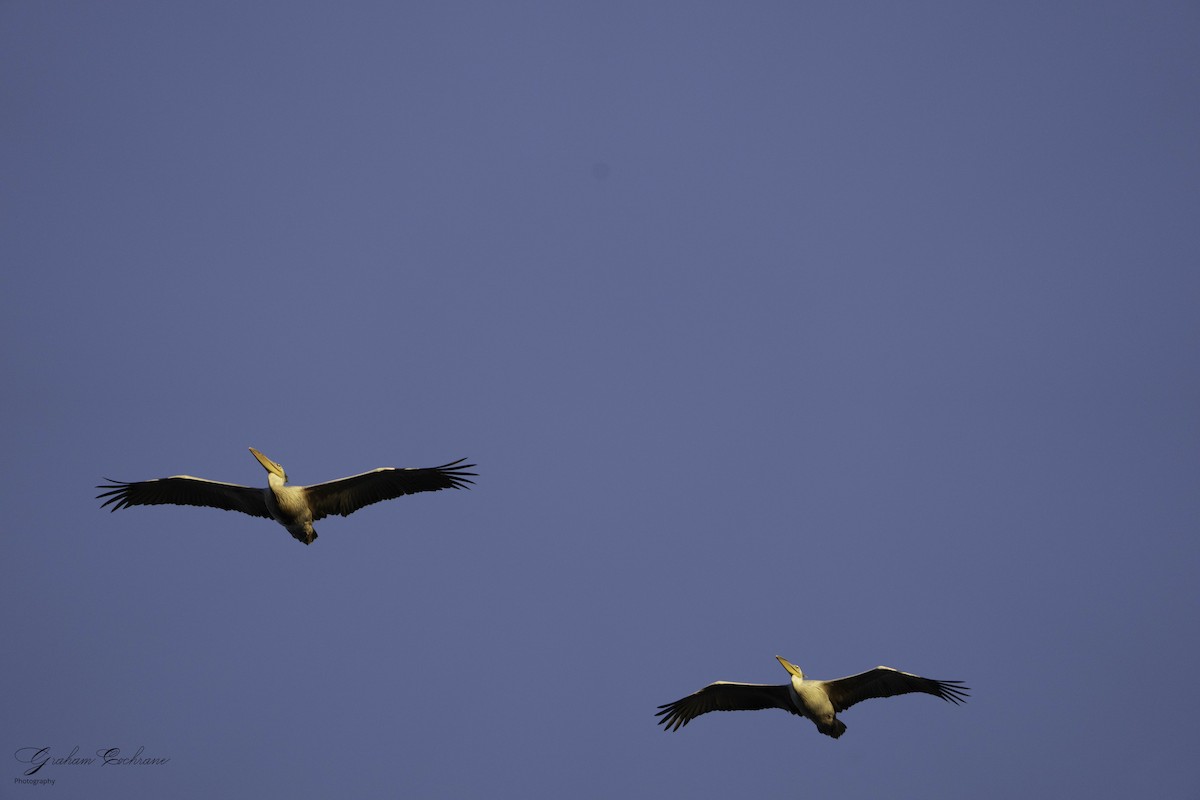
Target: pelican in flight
[
  {"x": 293, "y": 507},
  {"x": 818, "y": 700}
]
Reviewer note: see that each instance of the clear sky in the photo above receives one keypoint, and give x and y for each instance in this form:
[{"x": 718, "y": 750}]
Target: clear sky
[{"x": 857, "y": 333}]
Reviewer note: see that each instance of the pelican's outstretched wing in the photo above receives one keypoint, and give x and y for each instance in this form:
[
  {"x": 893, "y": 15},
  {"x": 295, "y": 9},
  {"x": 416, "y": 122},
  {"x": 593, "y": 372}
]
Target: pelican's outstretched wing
[
  {"x": 347, "y": 495},
  {"x": 888, "y": 682},
  {"x": 184, "y": 490},
  {"x": 724, "y": 696}
]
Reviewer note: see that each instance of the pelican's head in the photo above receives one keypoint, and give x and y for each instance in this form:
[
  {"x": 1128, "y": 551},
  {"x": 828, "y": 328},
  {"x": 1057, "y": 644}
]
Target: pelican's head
[
  {"x": 269, "y": 465},
  {"x": 790, "y": 667}
]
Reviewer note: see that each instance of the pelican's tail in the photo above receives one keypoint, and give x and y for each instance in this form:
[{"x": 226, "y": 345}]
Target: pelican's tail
[
  {"x": 303, "y": 534},
  {"x": 835, "y": 730}
]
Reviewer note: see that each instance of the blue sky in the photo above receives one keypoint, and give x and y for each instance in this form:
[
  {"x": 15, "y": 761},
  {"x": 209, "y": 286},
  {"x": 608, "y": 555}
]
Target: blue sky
[{"x": 854, "y": 333}]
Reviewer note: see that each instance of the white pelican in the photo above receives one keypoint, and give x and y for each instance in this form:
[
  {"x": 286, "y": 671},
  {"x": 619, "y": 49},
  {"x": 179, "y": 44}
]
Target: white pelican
[
  {"x": 293, "y": 507},
  {"x": 818, "y": 700}
]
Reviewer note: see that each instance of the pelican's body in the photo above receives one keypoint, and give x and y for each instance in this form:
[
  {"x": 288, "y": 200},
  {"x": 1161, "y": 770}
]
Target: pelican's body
[
  {"x": 819, "y": 701},
  {"x": 293, "y": 507},
  {"x": 287, "y": 505}
]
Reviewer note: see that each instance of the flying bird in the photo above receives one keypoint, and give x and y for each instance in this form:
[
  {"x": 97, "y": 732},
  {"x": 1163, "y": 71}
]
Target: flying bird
[
  {"x": 818, "y": 700},
  {"x": 293, "y": 507}
]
